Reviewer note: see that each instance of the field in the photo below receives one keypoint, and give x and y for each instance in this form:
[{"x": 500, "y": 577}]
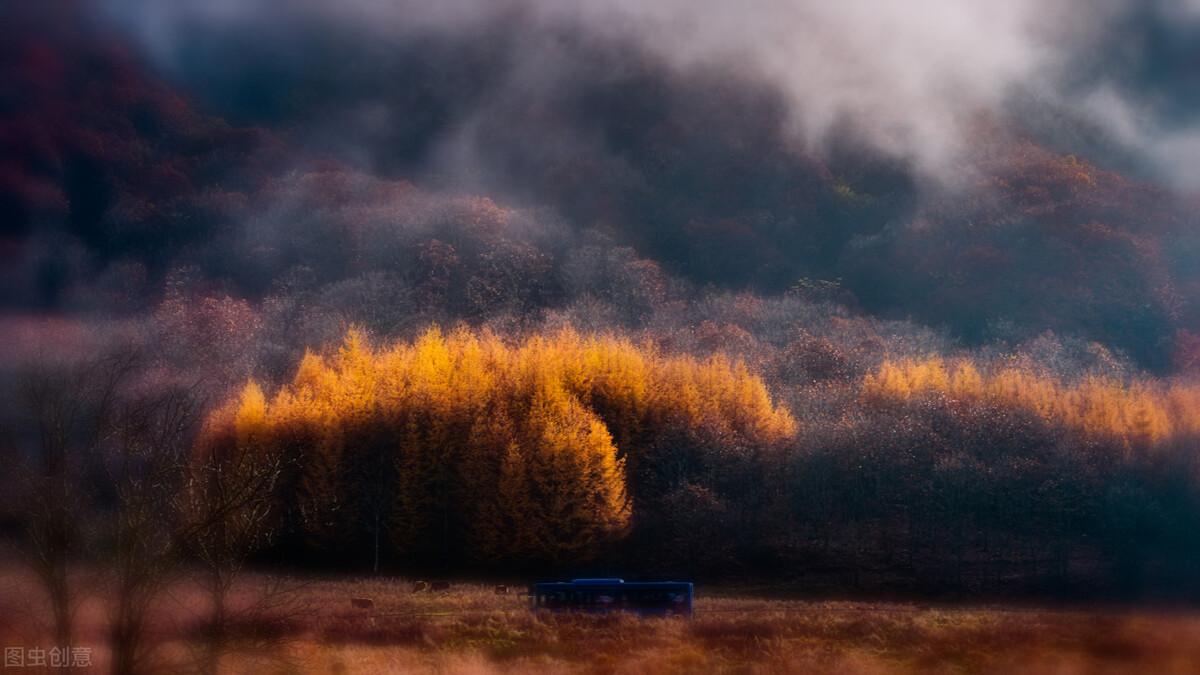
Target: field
[{"x": 309, "y": 626}]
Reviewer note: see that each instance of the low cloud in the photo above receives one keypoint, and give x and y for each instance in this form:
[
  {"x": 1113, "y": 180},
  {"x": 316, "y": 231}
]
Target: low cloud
[{"x": 910, "y": 79}]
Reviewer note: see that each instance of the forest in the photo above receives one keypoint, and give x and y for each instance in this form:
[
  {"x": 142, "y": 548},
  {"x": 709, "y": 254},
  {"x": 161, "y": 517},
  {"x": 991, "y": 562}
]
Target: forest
[
  {"x": 818, "y": 365},
  {"x": 521, "y": 291},
  {"x": 460, "y": 450}
]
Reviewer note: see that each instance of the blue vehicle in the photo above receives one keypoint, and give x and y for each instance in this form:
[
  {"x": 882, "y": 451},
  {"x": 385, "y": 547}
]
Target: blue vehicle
[{"x": 657, "y": 598}]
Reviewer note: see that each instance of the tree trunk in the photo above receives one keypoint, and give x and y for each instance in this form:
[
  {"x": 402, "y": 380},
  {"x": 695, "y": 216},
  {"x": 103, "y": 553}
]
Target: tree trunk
[
  {"x": 216, "y": 637},
  {"x": 375, "y": 567}
]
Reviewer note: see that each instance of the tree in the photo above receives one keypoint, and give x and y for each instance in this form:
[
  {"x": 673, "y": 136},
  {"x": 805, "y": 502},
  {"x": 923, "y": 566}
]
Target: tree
[
  {"x": 227, "y": 503},
  {"x": 571, "y": 477},
  {"x": 67, "y": 407},
  {"x": 460, "y": 445},
  {"x": 145, "y": 467}
]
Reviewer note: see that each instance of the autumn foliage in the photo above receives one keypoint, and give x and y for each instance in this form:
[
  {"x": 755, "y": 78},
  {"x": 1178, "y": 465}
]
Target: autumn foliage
[
  {"x": 461, "y": 443},
  {"x": 1048, "y": 451},
  {"x": 1142, "y": 412}
]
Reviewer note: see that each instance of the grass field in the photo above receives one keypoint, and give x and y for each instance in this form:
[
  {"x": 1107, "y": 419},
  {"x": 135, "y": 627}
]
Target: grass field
[{"x": 311, "y": 627}]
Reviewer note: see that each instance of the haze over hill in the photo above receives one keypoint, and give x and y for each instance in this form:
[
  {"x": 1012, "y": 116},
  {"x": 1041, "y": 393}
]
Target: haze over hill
[
  {"x": 978, "y": 172},
  {"x": 957, "y": 245}
]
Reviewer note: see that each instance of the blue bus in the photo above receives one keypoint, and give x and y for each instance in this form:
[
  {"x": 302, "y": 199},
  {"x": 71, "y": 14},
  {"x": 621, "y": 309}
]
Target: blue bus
[{"x": 660, "y": 598}]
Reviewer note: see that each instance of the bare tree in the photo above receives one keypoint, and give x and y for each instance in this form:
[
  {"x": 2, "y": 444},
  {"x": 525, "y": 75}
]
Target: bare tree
[
  {"x": 64, "y": 406},
  {"x": 152, "y": 434},
  {"x": 227, "y": 506},
  {"x": 105, "y": 452}
]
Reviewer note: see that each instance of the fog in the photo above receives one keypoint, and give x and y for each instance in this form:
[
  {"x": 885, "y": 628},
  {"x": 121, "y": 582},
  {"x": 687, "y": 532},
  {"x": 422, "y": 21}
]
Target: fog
[{"x": 911, "y": 79}]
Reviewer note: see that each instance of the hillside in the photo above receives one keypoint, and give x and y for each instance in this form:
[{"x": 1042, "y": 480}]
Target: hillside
[{"x": 1009, "y": 324}]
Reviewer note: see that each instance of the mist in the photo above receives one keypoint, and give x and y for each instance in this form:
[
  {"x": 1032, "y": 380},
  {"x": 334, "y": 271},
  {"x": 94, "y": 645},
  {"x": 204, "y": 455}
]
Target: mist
[
  {"x": 860, "y": 300},
  {"x": 911, "y": 81}
]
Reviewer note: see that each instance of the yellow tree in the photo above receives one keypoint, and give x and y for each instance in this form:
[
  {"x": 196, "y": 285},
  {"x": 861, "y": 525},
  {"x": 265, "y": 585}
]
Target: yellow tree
[
  {"x": 303, "y": 417},
  {"x": 492, "y": 476},
  {"x": 475, "y": 445},
  {"x": 574, "y": 485},
  {"x": 424, "y": 498}
]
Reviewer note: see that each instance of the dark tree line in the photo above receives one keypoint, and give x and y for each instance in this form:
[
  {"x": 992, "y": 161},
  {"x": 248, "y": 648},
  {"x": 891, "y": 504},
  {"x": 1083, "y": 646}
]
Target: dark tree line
[{"x": 110, "y": 496}]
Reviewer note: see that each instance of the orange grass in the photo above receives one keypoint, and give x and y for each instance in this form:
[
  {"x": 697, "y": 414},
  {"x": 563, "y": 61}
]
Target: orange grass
[{"x": 472, "y": 630}]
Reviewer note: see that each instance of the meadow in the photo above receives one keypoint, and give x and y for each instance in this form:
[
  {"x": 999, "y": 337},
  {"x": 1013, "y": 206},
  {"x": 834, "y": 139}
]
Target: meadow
[{"x": 308, "y": 625}]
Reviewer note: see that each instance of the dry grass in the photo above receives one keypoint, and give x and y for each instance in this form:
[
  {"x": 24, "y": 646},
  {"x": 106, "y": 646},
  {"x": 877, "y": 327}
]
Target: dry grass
[{"x": 472, "y": 630}]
